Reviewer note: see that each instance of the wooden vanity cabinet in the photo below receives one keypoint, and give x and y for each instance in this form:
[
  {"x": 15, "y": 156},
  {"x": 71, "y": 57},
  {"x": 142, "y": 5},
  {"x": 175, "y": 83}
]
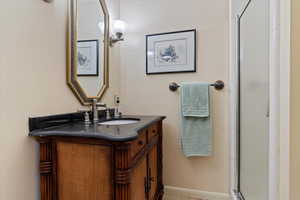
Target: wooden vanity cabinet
[{"x": 92, "y": 169}]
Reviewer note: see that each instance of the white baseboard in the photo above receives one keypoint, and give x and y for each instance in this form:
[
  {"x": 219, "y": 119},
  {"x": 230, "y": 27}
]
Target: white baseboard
[{"x": 175, "y": 193}]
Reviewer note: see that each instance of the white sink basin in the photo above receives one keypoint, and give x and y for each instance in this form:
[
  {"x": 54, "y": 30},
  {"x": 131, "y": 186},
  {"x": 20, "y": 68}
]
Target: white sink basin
[{"x": 119, "y": 122}]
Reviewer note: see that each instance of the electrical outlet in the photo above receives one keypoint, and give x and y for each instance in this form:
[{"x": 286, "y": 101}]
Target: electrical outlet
[{"x": 117, "y": 100}]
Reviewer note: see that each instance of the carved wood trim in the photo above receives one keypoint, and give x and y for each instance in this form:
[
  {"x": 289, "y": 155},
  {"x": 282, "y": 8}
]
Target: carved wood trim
[
  {"x": 159, "y": 194},
  {"x": 47, "y": 180},
  {"x": 46, "y": 167},
  {"x": 122, "y": 147},
  {"x": 78, "y": 140},
  {"x": 160, "y": 183},
  {"x": 54, "y": 170},
  {"x": 144, "y": 152},
  {"x": 122, "y": 175}
]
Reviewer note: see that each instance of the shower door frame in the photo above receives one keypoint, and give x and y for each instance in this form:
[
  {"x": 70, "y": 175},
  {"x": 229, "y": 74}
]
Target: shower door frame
[
  {"x": 238, "y": 136},
  {"x": 279, "y": 99}
]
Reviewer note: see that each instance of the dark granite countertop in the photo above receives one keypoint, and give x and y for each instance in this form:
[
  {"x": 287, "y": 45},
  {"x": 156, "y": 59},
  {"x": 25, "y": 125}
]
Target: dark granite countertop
[{"x": 116, "y": 133}]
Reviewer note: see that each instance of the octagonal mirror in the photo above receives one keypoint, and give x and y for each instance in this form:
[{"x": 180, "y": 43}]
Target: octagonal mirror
[{"x": 88, "y": 43}]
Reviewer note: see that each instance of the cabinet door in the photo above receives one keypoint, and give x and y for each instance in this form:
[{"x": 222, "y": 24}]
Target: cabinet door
[
  {"x": 153, "y": 172},
  {"x": 139, "y": 179},
  {"x": 83, "y": 172}
]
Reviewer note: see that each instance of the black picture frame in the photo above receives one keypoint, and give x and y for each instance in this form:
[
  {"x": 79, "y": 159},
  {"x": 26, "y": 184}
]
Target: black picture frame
[
  {"x": 194, "y": 60},
  {"x": 97, "y": 57}
]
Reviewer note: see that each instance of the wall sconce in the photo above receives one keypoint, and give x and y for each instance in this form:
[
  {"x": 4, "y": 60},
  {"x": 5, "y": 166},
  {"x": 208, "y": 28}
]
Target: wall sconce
[{"x": 119, "y": 27}]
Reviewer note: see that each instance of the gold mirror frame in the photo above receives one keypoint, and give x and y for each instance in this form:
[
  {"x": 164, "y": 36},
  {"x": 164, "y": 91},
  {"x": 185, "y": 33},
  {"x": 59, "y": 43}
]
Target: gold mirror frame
[{"x": 72, "y": 79}]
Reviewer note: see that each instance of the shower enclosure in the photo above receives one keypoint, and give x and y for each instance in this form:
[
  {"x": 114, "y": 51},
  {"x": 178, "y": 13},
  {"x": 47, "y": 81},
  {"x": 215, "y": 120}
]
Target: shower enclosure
[{"x": 253, "y": 100}]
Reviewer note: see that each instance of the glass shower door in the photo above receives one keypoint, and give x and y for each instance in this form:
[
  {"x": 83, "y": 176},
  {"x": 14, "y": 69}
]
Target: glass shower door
[{"x": 254, "y": 101}]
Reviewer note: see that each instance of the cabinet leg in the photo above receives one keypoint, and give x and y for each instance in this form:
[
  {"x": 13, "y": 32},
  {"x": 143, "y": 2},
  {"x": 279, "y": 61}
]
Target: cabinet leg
[{"x": 47, "y": 170}]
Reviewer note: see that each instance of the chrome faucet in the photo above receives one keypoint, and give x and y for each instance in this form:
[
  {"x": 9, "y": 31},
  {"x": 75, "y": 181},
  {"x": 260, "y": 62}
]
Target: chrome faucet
[{"x": 95, "y": 106}]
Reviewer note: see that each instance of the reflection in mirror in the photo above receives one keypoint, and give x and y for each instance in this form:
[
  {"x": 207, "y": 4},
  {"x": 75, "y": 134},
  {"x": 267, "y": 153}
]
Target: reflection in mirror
[{"x": 90, "y": 46}]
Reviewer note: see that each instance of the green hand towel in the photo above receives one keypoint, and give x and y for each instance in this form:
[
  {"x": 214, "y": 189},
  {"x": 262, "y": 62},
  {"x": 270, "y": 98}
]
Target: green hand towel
[{"x": 196, "y": 136}]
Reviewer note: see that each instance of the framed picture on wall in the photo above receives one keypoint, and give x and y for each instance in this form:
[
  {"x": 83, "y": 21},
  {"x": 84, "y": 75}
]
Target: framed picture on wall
[
  {"x": 173, "y": 52},
  {"x": 87, "y": 58}
]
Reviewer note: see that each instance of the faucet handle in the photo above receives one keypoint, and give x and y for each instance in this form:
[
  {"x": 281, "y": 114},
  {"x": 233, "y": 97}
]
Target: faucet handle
[
  {"x": 86, "y": 115},
  {"x": 108, "y": 113},
  {"x": 84, "y": 110},
  {"x": 87, "y": 118},
  {"x": 101, "y": 105},
  {"x": 98, "y": 104}
]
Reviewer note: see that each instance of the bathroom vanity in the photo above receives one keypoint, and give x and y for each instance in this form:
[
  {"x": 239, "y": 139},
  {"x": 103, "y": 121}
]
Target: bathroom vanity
[
  {"x": 105, "y": 158},
  {"x": 93, "y": 162}
]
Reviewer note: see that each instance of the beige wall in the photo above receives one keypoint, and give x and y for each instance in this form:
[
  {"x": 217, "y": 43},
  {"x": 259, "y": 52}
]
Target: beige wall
[
  {"x": 114, "y": 58},
  {"x": 32, "y": 83},
  {"x": 295, "y": 104},
  {"x": 141, "y": 94}
]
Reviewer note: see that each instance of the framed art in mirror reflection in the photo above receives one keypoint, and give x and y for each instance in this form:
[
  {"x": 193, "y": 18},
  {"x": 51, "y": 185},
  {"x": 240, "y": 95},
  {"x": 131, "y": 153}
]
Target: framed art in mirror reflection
[{"x": 88, "y": 58}]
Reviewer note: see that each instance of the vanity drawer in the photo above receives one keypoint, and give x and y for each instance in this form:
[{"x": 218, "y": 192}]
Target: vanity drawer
[
  {"x": 138, "y": 144},
  {"x": 152, "y": 131}
]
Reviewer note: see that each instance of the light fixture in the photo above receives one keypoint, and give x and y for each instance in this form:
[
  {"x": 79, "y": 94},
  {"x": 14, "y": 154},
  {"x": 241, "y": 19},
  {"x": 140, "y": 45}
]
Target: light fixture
[
  {"x": 48, "y": 1},
  {"x": 119, "y": 27}
]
